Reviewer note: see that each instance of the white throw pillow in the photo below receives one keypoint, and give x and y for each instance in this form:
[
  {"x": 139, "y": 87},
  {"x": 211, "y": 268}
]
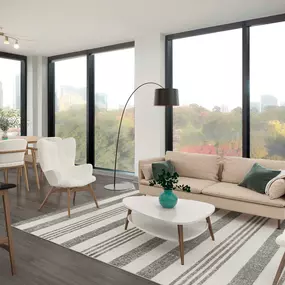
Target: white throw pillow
[
  {"x": 277, "y": 189},
  {"x": 147, "y": 171}
]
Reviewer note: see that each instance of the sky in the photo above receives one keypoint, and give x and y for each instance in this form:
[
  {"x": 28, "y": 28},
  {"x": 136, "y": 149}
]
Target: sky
[
  {"x": 207, "y": 69},
  {"x": 9, "y": 69}
]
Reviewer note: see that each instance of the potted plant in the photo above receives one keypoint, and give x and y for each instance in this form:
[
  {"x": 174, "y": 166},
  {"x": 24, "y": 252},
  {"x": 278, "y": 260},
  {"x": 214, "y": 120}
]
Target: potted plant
[
  {"x": 9, "y": 118},
  {"x": 168, "y": 182}
]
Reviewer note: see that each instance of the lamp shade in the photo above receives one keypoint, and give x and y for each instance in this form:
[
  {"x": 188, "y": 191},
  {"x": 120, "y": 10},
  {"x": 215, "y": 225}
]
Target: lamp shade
[{"x": 166, "y": 97}]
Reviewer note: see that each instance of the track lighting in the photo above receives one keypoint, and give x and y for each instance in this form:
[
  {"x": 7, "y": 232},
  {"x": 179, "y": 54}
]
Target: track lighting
[
  {"x": 6, "y": 40},
  {"x": 16, "y": 45}
]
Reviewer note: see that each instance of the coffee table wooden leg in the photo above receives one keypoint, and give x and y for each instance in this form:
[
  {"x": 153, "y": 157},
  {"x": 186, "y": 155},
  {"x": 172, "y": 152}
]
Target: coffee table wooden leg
[
  {"x": 127, "y": 220},
  {"x": 181, "y": 243},
  {"x": 210, "y": 228}
]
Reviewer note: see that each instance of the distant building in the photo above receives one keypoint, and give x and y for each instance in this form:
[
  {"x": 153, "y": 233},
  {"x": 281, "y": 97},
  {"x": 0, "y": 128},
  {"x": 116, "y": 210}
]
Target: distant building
[
  {"x": 224, "y": 108},
  {"x": 101, "y": 100},
  {"x": 255, "y": 106},
  {"x": 268, "y": 101},
  {"x": 1, "y": 95},
  {"x": 282, "y": 103},
  {"x": 70, "y": 97},
  {"x": 17, "y": 104}
]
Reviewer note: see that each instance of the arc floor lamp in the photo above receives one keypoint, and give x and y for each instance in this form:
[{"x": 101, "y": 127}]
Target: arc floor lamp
[{"x": 162, "y": 97}]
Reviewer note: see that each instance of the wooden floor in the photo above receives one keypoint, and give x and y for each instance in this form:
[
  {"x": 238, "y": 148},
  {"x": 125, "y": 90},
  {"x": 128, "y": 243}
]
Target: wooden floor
[{"x": 39, "y": 262}]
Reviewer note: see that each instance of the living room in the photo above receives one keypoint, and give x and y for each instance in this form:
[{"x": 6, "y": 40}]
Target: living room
[{"x": 103, "y": 104}]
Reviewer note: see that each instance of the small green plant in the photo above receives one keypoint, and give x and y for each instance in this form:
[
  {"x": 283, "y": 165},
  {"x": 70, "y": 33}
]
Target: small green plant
[{"x": 169, "y": 181}]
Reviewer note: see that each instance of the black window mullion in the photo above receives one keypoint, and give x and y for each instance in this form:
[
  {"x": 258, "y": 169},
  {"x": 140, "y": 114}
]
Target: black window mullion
[
  {"x": 90, "y": 120},
  {"x": 168, "y": 84},
  {"x": 23, "y": 94},
  {"x": 245, "y": 91},
  {"x": 51, "y": 99}
]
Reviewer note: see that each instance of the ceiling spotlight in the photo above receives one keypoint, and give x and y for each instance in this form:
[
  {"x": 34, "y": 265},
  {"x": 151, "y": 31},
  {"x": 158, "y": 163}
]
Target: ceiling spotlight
[
  {"x": 16, "y": 44},
  {"x": 6, "y": 40}
]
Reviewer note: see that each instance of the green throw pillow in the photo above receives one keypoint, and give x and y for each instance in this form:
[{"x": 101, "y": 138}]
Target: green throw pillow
[
  {"x": 257, "y": 178},
  {"x": 157, "y": 168}
]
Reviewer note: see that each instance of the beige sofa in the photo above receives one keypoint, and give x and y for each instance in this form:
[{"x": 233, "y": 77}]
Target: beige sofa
[{"x": 215, "y": 180}]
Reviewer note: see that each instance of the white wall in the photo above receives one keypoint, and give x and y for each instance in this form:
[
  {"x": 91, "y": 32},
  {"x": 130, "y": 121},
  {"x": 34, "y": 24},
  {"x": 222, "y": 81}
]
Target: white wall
[
  {"x": 37, "y": 95},
  {"x": 149, "y": 119}
]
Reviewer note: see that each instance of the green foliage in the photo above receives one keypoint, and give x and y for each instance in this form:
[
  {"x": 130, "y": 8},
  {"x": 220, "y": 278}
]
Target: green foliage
[
  {"x": 72, "y": 123},
  {"x": 169, "y": 181},
  {"x": 9, "y": 118}
]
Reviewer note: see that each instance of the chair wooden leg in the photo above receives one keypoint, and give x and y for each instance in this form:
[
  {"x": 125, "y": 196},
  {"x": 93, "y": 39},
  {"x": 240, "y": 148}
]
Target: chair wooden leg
[
  {"x": 279, "y": 271},
  {"x": 46, "y": 198},
  {"x": 6, "y": 207},
  {"x": 26, "y": 177},
  {"x": 74, "y": 196},
  {"x": 93, "y": 195},
  {"x": 42, "y": 174},
  {"x": 68, "y": 201},
  {"x": 36, "y": 170},
  {"x": 6, "y": 175},
  {"x": 18, "y": 175}
]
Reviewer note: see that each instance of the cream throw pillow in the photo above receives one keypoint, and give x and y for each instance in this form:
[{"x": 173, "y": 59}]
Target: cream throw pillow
[
  {"x": 277, "y": 189},
  {"x": 147, "y": 171}
]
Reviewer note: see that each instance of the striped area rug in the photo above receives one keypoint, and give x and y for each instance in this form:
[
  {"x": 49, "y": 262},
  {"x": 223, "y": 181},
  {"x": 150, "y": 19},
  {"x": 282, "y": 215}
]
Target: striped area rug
[{"x": 244, "y": 252}]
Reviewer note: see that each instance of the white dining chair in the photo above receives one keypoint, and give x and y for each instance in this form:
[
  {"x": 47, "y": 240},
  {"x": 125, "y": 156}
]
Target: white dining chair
[
  {"x": 32, "y": 158},
  {"x": 57, "y": 160},
  {"x": 12, "y": 153}
]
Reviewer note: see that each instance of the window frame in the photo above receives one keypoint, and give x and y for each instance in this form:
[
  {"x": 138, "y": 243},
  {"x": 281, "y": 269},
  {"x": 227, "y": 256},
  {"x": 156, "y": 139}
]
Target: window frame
[
  {"x": 23, "y": 86},
  {"x": 245, "y": 26},
  {"x": 90, "y": 103}
]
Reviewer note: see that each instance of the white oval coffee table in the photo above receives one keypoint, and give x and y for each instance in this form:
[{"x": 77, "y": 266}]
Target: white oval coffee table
[{"x": 191, "y": 218}]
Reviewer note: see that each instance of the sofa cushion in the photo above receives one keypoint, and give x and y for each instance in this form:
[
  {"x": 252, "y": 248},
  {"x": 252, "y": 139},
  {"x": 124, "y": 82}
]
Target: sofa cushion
[
  {"x": 158, "y": 167},
  {"x": 277, "y": 189},
  {"x": 235, "y": 192},
  {"x": 235, "y": 168},
  {"x": 147, "y": 171},
  {"x": 258, "y": 177},
  {"x": 195, "y": 165},
  {"x": 196, "y": 185}
]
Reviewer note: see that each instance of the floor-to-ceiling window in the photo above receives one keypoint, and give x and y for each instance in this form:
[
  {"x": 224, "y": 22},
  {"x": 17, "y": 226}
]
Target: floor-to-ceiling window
[
  {"x": 13, "y": 91},
  {"x": 267, "y": 91},
  {"x": 114, "y": 82},
  {"x": 207, "y": 70},
  {"x": 230, "y": 80},
  {"x": 70, "y": 102},
  {"x": 87, "y": 93}
]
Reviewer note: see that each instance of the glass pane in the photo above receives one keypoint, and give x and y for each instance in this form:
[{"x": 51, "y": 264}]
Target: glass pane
[
  {"x": 10, "y": 93},
  {"x": 267, "y": 90},
  {"x": 114, "y": 82},
  {"x": 207, "y": 70},
  {"x": 70, "y": 102}
]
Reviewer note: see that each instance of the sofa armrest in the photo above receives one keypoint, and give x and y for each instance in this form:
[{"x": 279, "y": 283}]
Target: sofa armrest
[{"x": 148, "y": 161}]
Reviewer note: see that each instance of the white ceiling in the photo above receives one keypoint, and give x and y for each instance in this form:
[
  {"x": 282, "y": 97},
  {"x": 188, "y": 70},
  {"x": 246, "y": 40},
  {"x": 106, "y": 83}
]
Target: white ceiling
[{"x": 60, "y": 26}]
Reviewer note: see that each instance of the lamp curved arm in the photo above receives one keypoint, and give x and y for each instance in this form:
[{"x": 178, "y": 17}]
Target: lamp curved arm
[{"x": 120, "y": 125}]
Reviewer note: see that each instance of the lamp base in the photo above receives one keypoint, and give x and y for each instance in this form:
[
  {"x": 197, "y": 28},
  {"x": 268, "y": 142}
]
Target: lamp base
[{"x": 120, "y": 186}]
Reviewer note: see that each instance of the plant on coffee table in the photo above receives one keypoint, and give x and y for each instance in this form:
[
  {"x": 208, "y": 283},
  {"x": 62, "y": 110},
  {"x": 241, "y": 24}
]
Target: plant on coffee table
[{"x": 168, "y": 182}]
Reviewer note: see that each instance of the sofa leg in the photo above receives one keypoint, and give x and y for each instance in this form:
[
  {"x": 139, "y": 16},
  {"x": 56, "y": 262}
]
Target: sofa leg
[{"x": 279, "y": 224}]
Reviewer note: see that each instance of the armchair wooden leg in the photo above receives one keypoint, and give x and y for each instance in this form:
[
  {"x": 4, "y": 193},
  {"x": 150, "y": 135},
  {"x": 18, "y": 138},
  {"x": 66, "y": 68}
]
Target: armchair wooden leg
[
  {"x": 279, "y": 271},
  {"x": 46, "y": 198},
  {"x": 6, "y": 175},
  {"x": 26, "y": 177},
  {"x": 36, "y": 171},
  {"x": 6, "y": 207},
  {"x": 68, "y": 201},
  {"x": 74, "y": 196},
  {"x": 93, "y": 195},
  {"x": 279, "y": 224}
]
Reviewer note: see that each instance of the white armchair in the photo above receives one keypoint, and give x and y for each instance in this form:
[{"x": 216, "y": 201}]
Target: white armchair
[{"x": 57, "y": 160}]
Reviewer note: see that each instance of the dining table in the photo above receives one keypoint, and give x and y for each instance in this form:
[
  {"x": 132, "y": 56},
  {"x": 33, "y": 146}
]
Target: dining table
[{"x": 29, "y": 139}]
